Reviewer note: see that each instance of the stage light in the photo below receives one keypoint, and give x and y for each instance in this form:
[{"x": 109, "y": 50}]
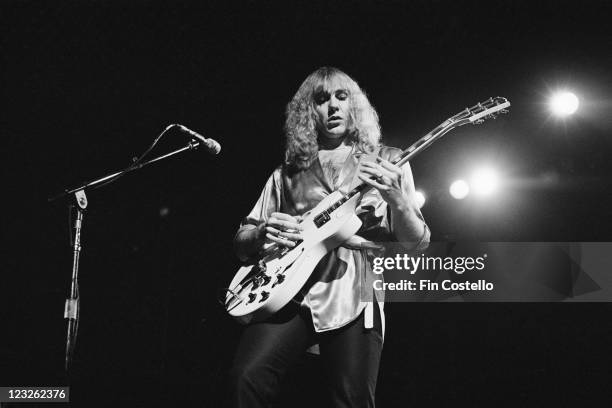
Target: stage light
[
  {"x": 420, "y": 198},
  {"x": 484, "y": 181},
  {"x": 564, "y": 103},
  {"x": 459, "y": 189}
]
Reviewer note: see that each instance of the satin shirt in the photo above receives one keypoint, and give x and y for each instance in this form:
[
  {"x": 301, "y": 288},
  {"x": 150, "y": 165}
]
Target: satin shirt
[{"x": 340, "y": 287}]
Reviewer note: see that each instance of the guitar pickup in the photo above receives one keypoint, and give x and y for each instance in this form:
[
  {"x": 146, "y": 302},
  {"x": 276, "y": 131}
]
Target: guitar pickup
[{"x": 321, "y": 219}]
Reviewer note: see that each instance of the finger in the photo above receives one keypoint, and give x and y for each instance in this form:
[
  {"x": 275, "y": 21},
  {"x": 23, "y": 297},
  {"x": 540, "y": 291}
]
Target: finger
[
  {"x": 292, "y": 236},
  {"x": 283, "y": 216},
  {"x": 280, "y": 241},
  {"x": 377, "y": 176},
  {"x": 373, "y": 183},
  {"x": 285, "y": 220},
  {"x": 371, "y": 165},
  {"x": 272, "y": 230},
  {"x": 377, "y": 170},
  {"x": 373, "y": 171},
  {"x": 268, "y": 244},
  {"x": 284, "y": 234},
  {"x": 277, "y": 240},
  {"x": 284, "y": 225},
  {"x": 390, "y": 166},
  {"x": 387, "y": 164}
]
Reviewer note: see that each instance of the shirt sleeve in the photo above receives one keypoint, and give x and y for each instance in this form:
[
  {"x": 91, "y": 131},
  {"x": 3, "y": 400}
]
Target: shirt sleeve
[
  {"x": 376, "y": 215},
  {"x": 424, "y": 241},
  {"x": 269, "y": 201}
]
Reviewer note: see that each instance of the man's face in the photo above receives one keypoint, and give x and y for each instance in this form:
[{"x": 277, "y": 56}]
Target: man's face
[{"x": 332, "y": 106}]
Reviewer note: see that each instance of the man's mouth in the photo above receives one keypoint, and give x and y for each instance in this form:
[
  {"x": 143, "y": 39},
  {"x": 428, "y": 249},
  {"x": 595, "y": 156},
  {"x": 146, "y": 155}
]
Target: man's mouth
[{"x": 334, "y": 118}]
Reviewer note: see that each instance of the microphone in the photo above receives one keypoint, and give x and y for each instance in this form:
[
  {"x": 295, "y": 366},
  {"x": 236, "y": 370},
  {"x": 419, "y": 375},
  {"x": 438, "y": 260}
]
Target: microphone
[{"x": 211, "y": 145}]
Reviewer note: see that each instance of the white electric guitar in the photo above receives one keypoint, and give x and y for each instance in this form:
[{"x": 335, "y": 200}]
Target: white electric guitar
[{"x": 260, "y": 289}]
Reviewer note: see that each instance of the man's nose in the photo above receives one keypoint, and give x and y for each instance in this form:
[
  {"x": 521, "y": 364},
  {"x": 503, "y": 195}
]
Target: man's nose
[{"x": 333, "y": 106}]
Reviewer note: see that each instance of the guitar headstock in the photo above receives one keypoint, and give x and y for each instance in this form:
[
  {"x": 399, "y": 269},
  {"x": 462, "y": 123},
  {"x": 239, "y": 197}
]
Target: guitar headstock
[{"x": 488, "y": 109}]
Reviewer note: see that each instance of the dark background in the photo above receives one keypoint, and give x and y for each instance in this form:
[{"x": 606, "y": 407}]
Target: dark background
[{"x": 87, "y": 85}]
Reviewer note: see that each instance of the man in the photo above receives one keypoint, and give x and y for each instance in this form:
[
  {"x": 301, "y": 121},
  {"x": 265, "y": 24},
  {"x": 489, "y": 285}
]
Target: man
[{"x": 333, "y": 143}]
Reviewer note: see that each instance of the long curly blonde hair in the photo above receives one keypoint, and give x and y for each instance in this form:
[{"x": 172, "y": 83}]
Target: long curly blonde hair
[{"x": 301, "y": 117}]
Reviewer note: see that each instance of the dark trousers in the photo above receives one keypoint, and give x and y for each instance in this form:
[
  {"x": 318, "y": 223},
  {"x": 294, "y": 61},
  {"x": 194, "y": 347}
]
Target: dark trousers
[{"x": 349, "y": 359}]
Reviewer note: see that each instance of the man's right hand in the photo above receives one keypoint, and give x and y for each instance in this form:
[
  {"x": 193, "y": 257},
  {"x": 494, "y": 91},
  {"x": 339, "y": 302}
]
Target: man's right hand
[{"x": 282, "y": 229}]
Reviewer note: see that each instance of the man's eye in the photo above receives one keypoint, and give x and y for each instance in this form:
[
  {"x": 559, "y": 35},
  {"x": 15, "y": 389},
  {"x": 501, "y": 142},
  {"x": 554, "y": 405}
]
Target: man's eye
[
  {"x": 342, "y": 95},
  {"x": 321, "y": 98}
]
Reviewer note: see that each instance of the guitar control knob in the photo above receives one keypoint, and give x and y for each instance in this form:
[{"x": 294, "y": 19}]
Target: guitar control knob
[
  {"x": 264, "y": 295},
  {"x": 266, "y": 280},
  {"x": 279, "y": 279},
  {"x": 252, "y": 297}
]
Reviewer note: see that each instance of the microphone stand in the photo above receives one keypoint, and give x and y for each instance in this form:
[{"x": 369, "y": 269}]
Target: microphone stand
[{"x": 71, "y": 307}]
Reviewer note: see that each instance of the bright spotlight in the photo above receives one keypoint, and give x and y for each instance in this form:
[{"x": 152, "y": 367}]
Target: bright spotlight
[
  {"x": 564, "y": 103},
  {"x": 484, "y": 181},
  {"x": 420, "y": 198},
  {"x": 459, "y": 189}
]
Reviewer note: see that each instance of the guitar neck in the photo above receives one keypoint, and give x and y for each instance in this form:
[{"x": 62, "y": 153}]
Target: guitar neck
[
  {"x": 476, "y": 114},
  {"x": 414, "y": 149},
  {"x": 424, "y": 142}
]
